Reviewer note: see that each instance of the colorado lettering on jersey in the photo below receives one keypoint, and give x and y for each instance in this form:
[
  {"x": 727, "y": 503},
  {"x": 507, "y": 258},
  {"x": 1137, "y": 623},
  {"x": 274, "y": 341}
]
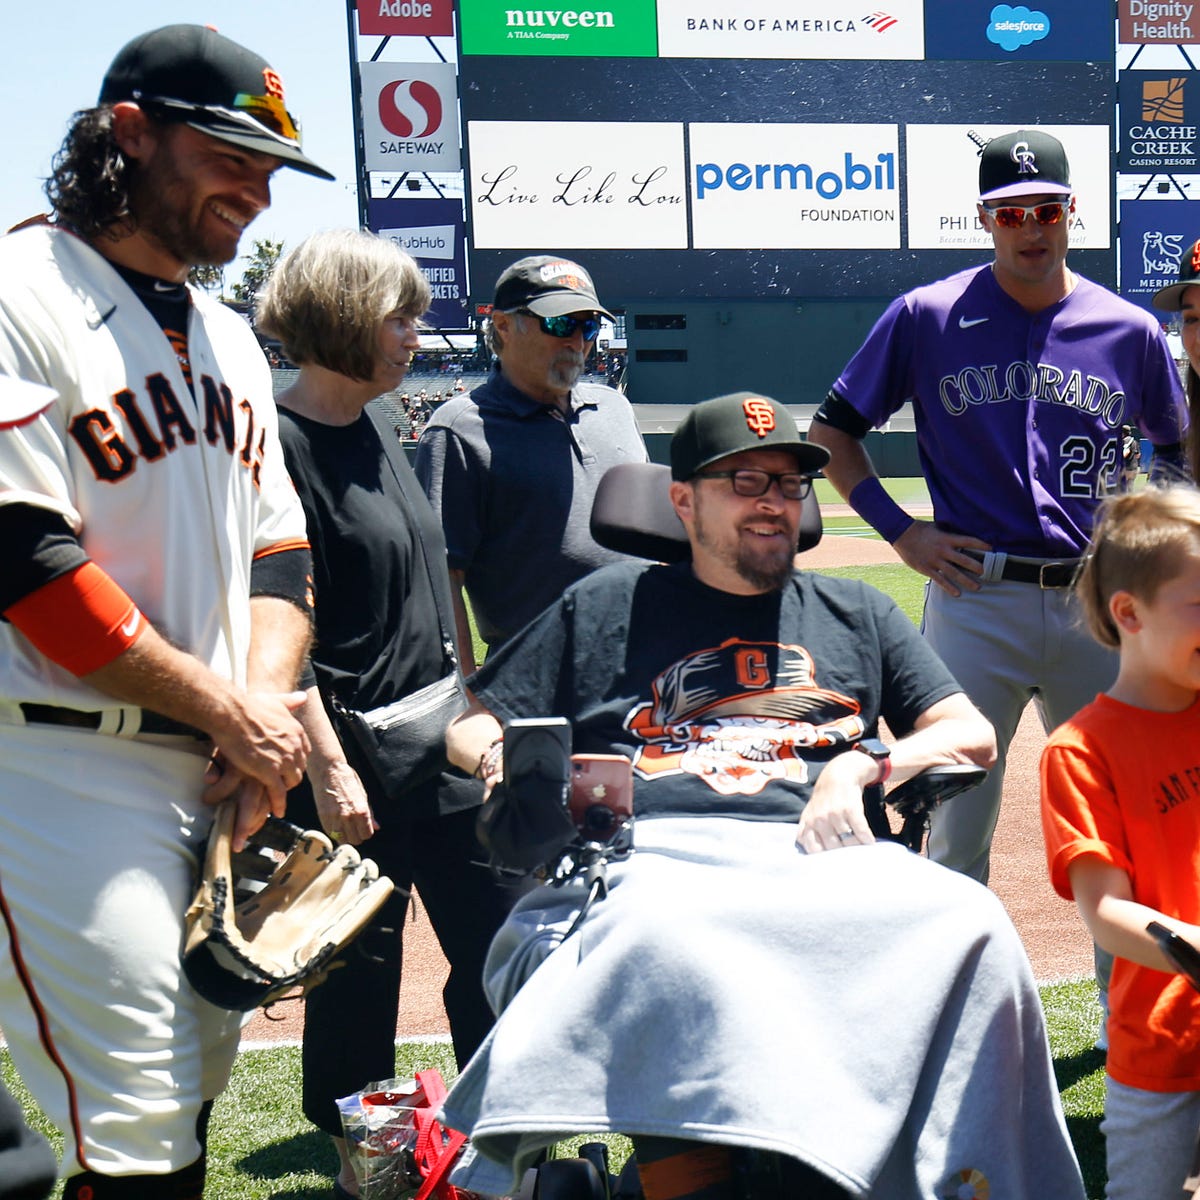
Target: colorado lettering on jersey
[
  {"x": 1040, "y": 382},
  {"x": 113, "y": 453}
]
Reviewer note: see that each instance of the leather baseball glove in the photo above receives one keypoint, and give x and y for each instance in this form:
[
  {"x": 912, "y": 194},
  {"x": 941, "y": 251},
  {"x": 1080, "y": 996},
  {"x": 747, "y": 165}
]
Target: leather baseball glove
[{"x": 268, "y": 920}]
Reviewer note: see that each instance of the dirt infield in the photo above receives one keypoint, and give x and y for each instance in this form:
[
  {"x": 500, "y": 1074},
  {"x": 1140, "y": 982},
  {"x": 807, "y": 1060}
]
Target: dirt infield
[{"x": 1054, "y": 935}]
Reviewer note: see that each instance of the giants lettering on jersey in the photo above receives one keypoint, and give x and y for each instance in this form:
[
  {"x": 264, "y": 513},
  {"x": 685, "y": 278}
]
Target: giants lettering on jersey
[
  {"x": 1040, "y": 382},
  {"x": 151, "y": 434}
]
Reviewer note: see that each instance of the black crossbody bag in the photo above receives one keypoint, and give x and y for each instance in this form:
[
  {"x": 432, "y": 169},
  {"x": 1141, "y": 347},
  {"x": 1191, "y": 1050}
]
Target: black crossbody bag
[{"x": 405, "y": 742}]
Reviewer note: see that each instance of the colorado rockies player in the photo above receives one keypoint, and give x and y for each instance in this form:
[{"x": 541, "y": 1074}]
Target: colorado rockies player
[
  {"x": 154, "y": 599},
  {"x": 1021, "y": 374}
]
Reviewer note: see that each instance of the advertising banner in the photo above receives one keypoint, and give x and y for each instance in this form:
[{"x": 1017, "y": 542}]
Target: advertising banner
[
  {"x": 942, "y": 175},
  {"x": 575, "y": 185},
  {"x": 406, "y": 18},
  {"x": 433, "y": 232},
  {"x": 1158, "y": 22},
  {"x": 794, "y": 186},
  {"x": 825, "y": 29},
  {"x": 1159, "y": 119},
  {"x": 600, "y": 29},
  {"x": 1043, "y": 30},
  {"x": 410, "y": 116},
  {"x": 1153, "y": 235}
]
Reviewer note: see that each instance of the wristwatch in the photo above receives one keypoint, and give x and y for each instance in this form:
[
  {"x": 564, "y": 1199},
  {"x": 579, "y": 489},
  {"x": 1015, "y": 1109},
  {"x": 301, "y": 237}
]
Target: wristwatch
[{"x": 881, "y": 752}]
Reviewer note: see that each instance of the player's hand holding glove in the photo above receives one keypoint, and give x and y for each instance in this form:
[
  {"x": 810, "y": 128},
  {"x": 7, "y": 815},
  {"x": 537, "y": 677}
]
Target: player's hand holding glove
[{"x": 270, "y": 918}]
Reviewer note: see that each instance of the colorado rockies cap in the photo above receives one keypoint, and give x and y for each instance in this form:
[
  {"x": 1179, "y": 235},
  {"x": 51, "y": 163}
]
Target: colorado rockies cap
[
  {"x": 1170, "y": 298},
  {"x": 211, "y": 84},
  {"x": 737, "y": 422},
  {"x": 1023, "y": 163},
  {"x": 547, "y": 286}
]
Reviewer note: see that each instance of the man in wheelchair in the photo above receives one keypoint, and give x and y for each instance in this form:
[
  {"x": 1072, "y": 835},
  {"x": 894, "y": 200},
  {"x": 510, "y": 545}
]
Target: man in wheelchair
[{"x": 866, "y": 1017}]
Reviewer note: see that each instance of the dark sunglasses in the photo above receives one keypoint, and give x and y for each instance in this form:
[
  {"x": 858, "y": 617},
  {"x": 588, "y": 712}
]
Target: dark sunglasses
[
  {"x": 565, "y": 326},
  {"x": 749, "y": 481},
  {"x": 1012, "y": 216}
]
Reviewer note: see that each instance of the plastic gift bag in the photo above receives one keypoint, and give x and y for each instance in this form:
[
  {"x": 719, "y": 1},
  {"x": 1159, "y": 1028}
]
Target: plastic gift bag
[{"x": 397, "y": 1147}]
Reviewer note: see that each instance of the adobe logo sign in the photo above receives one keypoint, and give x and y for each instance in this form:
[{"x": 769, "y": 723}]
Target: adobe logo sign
[
  {"x": 406, "y": 18},
  {"x": 410, "y": 116}
]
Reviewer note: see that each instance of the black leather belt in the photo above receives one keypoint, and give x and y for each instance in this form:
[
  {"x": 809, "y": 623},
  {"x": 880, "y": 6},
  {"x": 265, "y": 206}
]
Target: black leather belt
[
  {"x": 1055, "y": 573},
  {"x": 74, "y": 718}
]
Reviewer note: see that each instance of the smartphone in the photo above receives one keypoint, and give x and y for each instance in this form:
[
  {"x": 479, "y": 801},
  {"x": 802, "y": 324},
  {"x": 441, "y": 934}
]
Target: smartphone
[
  {"x": 601, "y": 794},
  {"x": 1183, "y": 956}
]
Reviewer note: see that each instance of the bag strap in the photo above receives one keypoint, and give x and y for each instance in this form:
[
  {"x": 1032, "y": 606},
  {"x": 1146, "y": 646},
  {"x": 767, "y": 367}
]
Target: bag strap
[
  {"x": 441, "y": 595},
  {"x": 437, "y": 1149}
]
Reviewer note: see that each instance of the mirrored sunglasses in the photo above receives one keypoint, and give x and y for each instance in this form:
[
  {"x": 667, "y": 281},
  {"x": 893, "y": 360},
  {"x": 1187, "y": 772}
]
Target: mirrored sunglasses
[
  {"x": 1012, "y": 216},
  {"x": 269, "y": 111},
  {"x": 565, "y": 326},
  {"x": 749, "y": 481}
]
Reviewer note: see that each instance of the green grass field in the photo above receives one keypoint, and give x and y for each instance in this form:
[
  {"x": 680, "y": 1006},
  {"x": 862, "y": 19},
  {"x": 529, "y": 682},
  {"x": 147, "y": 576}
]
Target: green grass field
[{"x": 262, "y": 1148}]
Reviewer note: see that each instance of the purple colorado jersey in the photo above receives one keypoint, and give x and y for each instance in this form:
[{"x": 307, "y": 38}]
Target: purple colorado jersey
[{"x": 1018, "y": 414}]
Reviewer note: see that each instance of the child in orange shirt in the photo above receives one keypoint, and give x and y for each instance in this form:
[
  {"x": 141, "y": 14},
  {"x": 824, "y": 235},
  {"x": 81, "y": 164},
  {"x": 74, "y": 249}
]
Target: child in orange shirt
[{"x": 1121, "y": 817}]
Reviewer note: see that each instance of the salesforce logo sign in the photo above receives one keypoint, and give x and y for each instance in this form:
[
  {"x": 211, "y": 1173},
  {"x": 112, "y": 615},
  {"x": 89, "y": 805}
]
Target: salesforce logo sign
[{"x": 1012, "y": 26}]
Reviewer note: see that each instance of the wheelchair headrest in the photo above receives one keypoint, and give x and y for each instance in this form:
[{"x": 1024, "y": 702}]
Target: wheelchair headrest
[{"x": 632, "y": 514}]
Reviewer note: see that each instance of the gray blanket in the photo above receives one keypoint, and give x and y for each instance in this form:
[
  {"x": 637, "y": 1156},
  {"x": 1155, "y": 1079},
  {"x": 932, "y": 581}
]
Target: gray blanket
[{"x": 863, "y": 1010}]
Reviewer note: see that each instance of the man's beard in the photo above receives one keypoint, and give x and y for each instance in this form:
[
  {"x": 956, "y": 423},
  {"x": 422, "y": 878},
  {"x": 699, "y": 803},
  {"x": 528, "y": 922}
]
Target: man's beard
[
  {"x": 151, "y": 194},
  {"x": 565, "y": 371},
  {"x": 763, "y": 572}
]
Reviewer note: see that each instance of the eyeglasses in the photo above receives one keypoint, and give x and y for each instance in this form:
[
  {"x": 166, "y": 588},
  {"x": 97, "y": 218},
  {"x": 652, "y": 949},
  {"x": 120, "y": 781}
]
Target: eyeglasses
[
  {"x": 564, "y": 327},
  {"x": 1012, "y": 216},
  {"x": 749, "y": 481}
]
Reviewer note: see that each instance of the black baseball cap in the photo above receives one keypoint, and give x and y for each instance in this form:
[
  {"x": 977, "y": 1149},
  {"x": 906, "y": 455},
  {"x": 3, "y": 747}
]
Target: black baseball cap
[
  {"x": 212, "y": 84},
  {"x": 737, "y": 422},
  {"x": 1023, "y": 163},
  {"x": 547, "y": 286},
  {"x": 1170, "y": 298}
]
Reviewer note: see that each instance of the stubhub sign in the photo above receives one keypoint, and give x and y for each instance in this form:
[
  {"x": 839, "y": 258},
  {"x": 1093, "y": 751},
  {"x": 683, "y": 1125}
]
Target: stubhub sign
[{"x": 794, "y": 186}]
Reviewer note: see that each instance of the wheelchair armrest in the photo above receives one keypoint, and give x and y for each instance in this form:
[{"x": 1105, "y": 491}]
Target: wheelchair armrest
[
  {"x": 923, "y": 793},
  {"x": 915, "y": 798}
]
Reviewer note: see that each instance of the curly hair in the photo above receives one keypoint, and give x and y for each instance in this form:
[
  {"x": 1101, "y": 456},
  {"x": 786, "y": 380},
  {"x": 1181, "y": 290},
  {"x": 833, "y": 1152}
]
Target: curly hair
[{"x": 88, "y": 187}]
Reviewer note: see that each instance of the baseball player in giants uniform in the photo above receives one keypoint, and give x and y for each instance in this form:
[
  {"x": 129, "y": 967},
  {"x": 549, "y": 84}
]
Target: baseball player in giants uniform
[
  {"x": 1021, "y": 375},
  {"x": 155, "y": 600}
]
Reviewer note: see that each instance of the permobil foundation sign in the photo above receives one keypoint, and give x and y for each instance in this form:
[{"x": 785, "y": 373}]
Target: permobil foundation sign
[
  {"x": 803, "y": 187},
  {"x": 406, "y": 18},
  {"x": 410, "y": 116},
  {"x": 1150, "y": 22},
  {"x": 577, "y": 184}
]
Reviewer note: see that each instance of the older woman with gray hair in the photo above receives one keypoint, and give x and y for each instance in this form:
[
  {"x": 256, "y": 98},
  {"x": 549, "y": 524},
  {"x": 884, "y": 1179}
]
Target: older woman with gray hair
[{"x": 346, "y": 307}]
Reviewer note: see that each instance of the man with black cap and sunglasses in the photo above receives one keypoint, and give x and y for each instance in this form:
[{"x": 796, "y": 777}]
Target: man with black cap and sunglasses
[
  {"x": 1022, "y": 375},
  {"x": 512, "y": 468},
  {"x": 156, "y": 600}
]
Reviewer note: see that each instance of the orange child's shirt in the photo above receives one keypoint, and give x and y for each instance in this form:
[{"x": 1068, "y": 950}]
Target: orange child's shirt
[{"x": 1123, "y": 784}]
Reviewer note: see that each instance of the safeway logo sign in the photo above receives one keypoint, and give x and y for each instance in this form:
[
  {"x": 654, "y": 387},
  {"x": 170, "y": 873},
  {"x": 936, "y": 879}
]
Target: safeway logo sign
[{"x": 410, "y": 116}]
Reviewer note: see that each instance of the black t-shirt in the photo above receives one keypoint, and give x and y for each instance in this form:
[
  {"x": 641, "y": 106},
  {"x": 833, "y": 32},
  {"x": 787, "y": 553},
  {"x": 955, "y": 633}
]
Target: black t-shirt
[
  {"x": 728, "y": 705},
  {"x": 377, "y": 636}
]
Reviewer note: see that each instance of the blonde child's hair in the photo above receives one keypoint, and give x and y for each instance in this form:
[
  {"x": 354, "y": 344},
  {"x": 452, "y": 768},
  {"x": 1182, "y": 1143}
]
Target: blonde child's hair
[{"x": 1140, "y": 542}]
